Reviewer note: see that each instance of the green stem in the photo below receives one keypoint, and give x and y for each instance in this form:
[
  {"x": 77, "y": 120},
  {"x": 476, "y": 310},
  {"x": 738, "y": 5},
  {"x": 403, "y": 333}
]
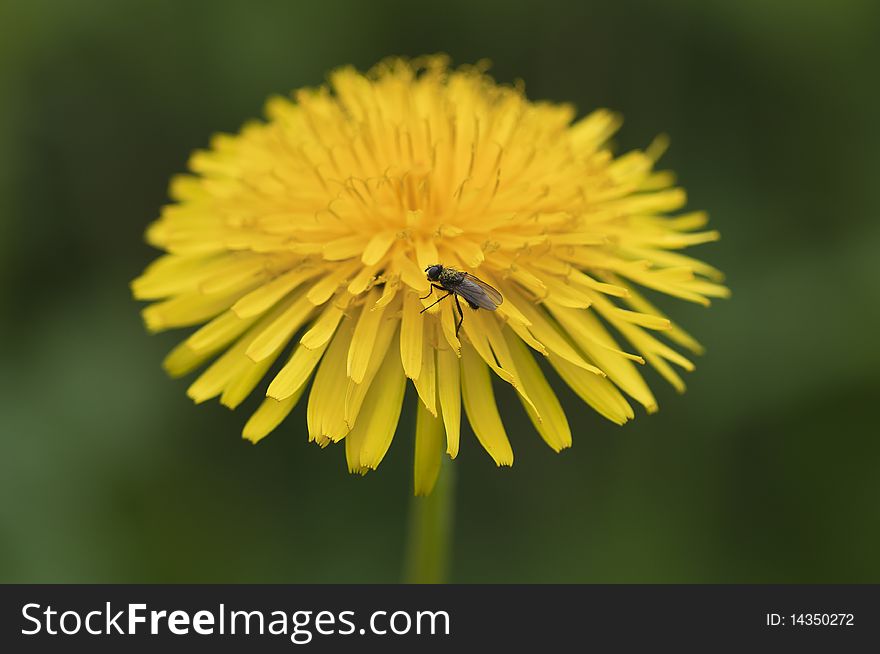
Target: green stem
[{"x": 429, "y": 539}]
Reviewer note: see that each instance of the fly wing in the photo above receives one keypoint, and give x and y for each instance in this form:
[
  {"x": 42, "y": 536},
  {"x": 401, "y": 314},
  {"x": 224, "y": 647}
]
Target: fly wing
[{"x": 479, "y": 293}]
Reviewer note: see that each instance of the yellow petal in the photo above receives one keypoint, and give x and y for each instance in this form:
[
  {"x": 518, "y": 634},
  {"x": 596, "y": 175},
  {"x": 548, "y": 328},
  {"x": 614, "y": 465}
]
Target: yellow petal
[
  {"x": 346, "y": 247},
  {"x": 641, "y": 319},
  {"x": 567, "y": 295},
  {"x": 411, "y": 335},
  {"x": 233, "y": 363},
  {"x": 356, "y": 392},
  {"x": 376, "y": 423},
  {"x": 426, "y": 252},
  {"x": 219, "y": 332},
  {"x": 411, "y": 274},
  {"x": 579, "y": 278},
  {"x": 186, "y": 187},
  {"x": 675, "y": 333},
  {"x": 187, "y": 309},
  {"x": 173, "y": 274},
  {"x": 213, "y": 380},
  {"x": 377, "y": 247},
  {"x": 667, "y": 259},
  {"x": 246, "y": 378},
  {"x": 578, "y": 238},
  {"x": 547, "y": 333},
  {"x": 324, "y": 396},
  {"x": 666, "y": 371},
  {"x": 653, "y": 350},
  {"x": 507, "y": 309},
  {"x": 527, "y": 338},
  {"x": 596, "y": 391},
  {"x": 280, "y": 331},
  {"x": 182, "y": 359},
  {"x": 448, "y": 375},
  {"x": 363, "y": 280},
  {"x": 324, "y": 289},
  {"x": 267, "y": 295},
  {"x": 661, "y": 280},
  {"x": 233, "y": 276},
  {"x": 469, "y": 252},
  {"x": 479, "y": 404},
  {"x": 323, "y": 328},
  {"x": 487, "y": 325},
  {"x": 389, "y": 292},
  {"x": 429, "y": 450},
  {"x": 546, "y": 413},
  {"x": 594, "y": 339},
  {"x": 363, "y": 338},
  {"x": 447, "y": 324},
  {"x": 655, "y": 202},
  {"x": 476, "y": 333},
  {"x": 426, "y": 382},
  {"x": 593, "y": 130},
  {"x": 296, "y": 372},
  {"x": 587, "y": 332},
  {"x": 269, "y": 415}
]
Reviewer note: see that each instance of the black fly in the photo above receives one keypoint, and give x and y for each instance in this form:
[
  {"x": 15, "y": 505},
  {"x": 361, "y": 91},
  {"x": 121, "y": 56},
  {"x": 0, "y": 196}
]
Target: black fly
[{"x": 477, "y": 293}]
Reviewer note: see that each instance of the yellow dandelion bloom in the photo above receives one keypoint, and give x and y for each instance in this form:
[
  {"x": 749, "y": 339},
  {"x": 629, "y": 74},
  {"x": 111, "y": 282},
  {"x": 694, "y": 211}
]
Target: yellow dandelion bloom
[{"x": 308, "y": 235}]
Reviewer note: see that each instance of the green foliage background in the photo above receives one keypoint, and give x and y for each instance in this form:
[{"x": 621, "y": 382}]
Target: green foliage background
[{"x": 765, "y": 471}]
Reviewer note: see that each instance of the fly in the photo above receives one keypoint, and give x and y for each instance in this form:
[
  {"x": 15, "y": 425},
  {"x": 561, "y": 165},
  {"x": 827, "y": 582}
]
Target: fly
[{"x": 477, "y": 293}]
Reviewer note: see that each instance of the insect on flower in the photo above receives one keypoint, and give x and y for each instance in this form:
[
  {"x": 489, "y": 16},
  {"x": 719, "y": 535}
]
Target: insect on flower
[
  {"x": 302, "y": 238},
  {"x": 477, "y": 293}
]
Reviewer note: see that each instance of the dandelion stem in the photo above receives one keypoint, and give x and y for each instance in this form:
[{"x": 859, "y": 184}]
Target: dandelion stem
[{"x": 429, "y": 539}]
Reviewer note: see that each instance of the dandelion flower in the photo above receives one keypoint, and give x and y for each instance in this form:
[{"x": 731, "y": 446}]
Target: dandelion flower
[{"x": 307, "y": 237}]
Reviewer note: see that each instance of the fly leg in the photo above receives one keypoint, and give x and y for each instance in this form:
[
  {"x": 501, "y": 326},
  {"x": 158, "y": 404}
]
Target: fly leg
[
  {"x": 460, "y": 316},
  {"x": 448, "y": 293},
  {"x": 433, "y": 286}
]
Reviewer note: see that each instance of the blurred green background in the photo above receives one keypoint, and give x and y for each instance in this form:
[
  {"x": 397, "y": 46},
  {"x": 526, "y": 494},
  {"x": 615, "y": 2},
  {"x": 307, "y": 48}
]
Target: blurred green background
[{"x": 765, "y": 471}]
